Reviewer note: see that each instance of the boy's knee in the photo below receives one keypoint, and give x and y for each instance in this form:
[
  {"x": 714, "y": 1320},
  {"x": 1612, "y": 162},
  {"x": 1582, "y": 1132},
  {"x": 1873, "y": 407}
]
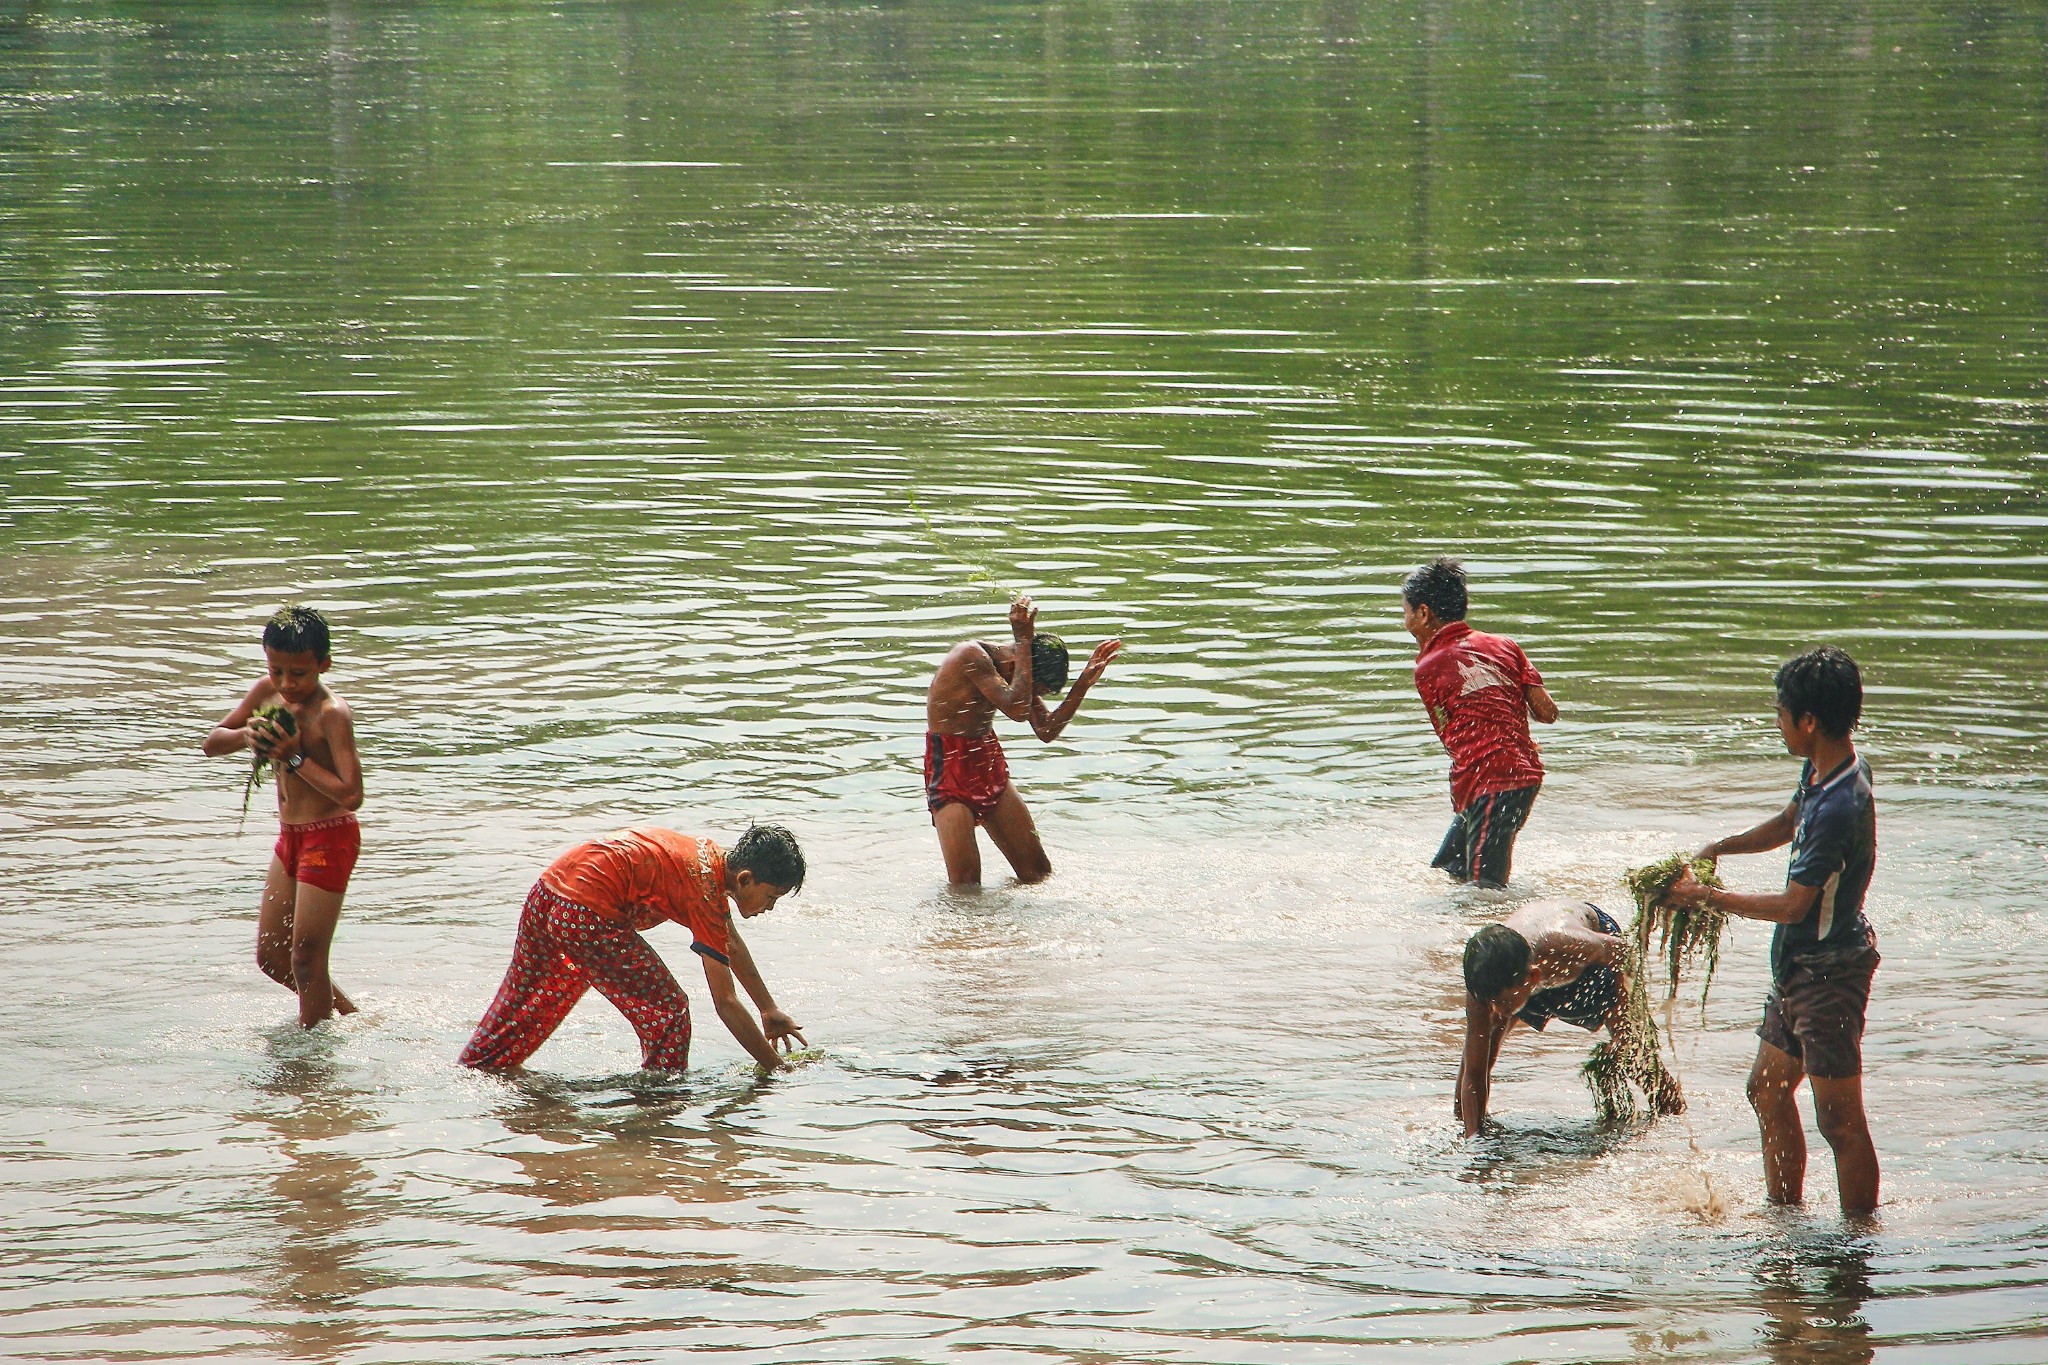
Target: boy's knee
[
  {"x": 1841, "y": 1125},
  {"x": 1766, "y": 1093}
]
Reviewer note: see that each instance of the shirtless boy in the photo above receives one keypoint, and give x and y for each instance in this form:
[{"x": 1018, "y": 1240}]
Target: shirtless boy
[
  {"x": 966, "y": 778},
  {"x": 1823, "y": 952},
  {"x": 319, "y": 787},
  {"x": 1480, "y": 691},
  {"x": 1548, "y": 960},
  {"x": 581, "y": 928}
]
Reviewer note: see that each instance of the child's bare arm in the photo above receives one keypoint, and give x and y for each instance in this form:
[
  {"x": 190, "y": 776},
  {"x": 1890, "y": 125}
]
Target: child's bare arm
[
  {"x": 343, "y": 783},
  {"x": 738, "y": 1020},
  {"x": 1540, "y": 704},
  {"x": 1789, "y": 906},
  {"x": 1013, "y": 698},
  {"x": 776, "y": 1022},
  {"x": 1775, "y": 832},
  {"x": 1475, "y": 1067},
  {"x": 1047, "y": 725},
  {"x": 232, "y": 734}
]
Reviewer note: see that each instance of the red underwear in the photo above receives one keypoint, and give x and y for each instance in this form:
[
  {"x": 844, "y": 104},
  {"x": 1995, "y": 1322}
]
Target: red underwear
[
  {"x": 969, "y": 769},
  {"x": 321, "y": 852}
]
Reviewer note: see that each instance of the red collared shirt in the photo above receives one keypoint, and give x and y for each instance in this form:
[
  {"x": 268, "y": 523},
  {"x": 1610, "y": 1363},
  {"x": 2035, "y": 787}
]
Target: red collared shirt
[{"x": 1472, "y": 685}]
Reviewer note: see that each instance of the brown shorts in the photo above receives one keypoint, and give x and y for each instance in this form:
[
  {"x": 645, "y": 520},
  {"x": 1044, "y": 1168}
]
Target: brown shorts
[{"x": 1816, "y": 1013}]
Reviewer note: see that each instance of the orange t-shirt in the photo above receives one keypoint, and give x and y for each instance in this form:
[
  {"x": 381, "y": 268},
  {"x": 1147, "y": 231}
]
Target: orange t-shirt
[{"x": 644, "y": 876}]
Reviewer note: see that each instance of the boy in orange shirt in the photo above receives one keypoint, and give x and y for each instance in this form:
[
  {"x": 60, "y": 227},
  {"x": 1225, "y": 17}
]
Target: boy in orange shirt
[
  {"x": 581, "y": 928},
  {"x": 319, "y": 788}
]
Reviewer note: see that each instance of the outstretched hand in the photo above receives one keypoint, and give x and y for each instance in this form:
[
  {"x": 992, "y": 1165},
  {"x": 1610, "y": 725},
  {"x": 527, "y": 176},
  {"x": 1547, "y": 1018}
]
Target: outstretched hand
[
  {"x": 780, "y": 1029},
  {"x": 1099, "y": 660},
  {"x": 1023, "y": 619}
]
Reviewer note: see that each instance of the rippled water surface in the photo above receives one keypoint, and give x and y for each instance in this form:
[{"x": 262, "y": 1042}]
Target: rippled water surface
[{"x": 651, "y": 394}]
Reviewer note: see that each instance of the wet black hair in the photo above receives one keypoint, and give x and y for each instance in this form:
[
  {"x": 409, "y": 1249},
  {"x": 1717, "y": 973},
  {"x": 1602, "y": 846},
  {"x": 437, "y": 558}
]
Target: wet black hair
[
  {"x": 297, "y": 630},
  {"x": 1496, "y": 958},
  {"x": 1048, "y": 662},
  {"x": 771, "y": 854},
  {"x": 1438, "y": 585},
  {"x": 1825, "y": 684}
]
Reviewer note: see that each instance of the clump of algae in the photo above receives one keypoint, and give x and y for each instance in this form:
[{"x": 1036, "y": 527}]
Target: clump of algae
[
  {"x": 280, "y": 715},
  {"x": 1629, "y": 1061},
  {"x": 1683, "y": 935}
]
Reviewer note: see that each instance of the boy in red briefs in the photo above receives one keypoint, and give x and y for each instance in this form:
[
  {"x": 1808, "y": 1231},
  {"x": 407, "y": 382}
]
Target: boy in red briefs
[
  {"x": 966, "y": 779},
  {"x": 319, "y": 788},
  {"x": 1480, "y": 691},
  {"x": 581, "y": 928}
]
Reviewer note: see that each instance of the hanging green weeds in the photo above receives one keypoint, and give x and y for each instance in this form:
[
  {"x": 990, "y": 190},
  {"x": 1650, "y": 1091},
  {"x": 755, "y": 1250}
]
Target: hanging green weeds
[
  {"x": 1684, "y": 936},
  {"x": 280, "y": 715}
]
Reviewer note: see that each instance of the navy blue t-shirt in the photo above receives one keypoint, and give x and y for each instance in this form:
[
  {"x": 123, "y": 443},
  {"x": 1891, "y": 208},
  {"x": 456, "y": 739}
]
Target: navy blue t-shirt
[{"x": 1834, "y": 848}]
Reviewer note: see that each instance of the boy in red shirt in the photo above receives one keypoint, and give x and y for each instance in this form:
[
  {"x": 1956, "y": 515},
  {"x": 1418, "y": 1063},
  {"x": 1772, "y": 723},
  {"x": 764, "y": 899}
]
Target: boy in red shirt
[
  {"x": 1480, "y": 691},
  {"x": 581, "y": 928}
]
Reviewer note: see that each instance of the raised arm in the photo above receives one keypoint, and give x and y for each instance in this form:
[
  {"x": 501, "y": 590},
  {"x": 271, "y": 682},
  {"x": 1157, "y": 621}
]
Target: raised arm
[
  {"x": 232, "y": 734},
  {"x": 776, "y": 1024},
  {"x": 1047, "y": 725},
  {"x": 1012, "y": 697}
]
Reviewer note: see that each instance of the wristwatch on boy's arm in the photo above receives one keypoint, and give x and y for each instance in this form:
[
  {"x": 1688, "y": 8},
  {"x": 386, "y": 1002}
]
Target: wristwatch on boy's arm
[{"x": 292, "y": 764}]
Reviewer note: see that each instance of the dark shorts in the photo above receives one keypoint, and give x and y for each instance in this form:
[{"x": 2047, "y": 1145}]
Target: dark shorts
[
  {"x": 1585, "y": 1002},
  {"x": 1816, "y": 1013},
  {"x": 1480, "y": 844}
]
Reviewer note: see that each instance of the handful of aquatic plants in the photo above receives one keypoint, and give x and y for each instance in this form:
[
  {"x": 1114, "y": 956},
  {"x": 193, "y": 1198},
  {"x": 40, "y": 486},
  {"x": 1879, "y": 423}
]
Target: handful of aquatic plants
[
  {"x": 1682, "y": 935},
  {"x": 280, "y": 715},
  {"x": 1630, "y": 1061}
]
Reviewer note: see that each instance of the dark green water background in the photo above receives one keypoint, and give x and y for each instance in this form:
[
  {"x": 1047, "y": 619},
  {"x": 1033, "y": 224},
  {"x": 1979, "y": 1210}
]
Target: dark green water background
[{"x": 652, "y": 392}]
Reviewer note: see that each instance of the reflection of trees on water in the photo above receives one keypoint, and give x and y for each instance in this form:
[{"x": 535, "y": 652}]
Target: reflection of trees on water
[
  {"x": 321, "y": 1196},
  {"x": 1813, "y": 1301}
]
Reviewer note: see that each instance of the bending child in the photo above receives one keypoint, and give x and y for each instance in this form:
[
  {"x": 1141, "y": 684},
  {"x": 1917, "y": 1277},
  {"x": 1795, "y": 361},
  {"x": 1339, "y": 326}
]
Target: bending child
[
  {"x": 966, "y": 778},
  {"x": 581, "y": 928},
  {"x": 1824, "y": 952},
  {"x": 319, "y": 787},
  {"x": 1480, "y": 691},
  {"x": 1548, "y": 960}
]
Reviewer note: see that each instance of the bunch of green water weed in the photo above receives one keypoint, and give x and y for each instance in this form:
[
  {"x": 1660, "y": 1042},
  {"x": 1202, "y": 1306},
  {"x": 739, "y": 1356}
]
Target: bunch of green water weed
[
  {"x": 1629, "y": 1061},
  {"x": 1683, "y": 935},
  {"x": 280, "y": 715}
]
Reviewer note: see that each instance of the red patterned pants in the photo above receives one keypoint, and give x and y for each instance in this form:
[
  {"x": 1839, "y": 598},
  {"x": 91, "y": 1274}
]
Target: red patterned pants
[{"x": 564, "y": 949}]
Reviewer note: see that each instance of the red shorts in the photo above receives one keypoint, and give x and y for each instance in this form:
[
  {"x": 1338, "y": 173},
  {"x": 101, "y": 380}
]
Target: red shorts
[
  {"x": 968, "y": 769},
  {"x": 321, "y": 852}
]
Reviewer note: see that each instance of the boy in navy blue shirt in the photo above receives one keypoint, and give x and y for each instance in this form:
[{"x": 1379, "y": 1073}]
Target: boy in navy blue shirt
[{"x": 1824, "y": 952}]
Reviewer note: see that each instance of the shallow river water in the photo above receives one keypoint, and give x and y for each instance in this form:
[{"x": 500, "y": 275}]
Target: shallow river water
[{"x": 652, "y": 393}]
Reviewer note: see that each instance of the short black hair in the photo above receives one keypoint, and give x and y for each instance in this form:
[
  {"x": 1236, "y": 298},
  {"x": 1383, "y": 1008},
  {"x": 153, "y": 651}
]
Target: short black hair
[
  {"x": 297, "y": 630},
  {"x": 1438, "y": 585},
  {"x": 1825, "y": 684},
  {"x": 771, "y": 854},
  {"x": 1048, "y": 662},
  {"x": 1496, "y": 958}
]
